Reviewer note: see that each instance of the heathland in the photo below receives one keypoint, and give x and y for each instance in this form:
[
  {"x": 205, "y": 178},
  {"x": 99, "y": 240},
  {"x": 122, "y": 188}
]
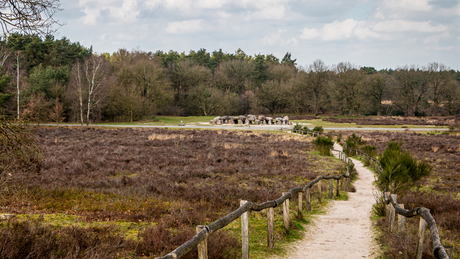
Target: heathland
[{"x": 139, "y": 192}]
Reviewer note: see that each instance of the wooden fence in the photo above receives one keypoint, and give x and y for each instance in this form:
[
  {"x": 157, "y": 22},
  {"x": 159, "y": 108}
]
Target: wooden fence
[{"x": 200, "y": 239}]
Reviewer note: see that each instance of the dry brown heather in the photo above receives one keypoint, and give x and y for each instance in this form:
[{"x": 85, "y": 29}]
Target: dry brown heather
[
  {"x": 440, "y": 192},
  {"x": 396, "y": 120},
  {"x": 176, "y": 178}
]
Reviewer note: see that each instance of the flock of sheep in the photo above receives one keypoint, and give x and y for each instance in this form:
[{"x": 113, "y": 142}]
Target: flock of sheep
[{"x": 250, "y": 119}]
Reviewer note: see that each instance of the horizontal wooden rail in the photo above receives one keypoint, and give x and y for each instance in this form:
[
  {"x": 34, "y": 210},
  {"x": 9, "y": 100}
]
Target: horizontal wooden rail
[{"x": 438, "y": 250}]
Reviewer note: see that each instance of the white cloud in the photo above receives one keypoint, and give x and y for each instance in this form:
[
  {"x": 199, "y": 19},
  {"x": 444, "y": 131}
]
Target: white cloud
[
  {"x": 402, "y": 26},
  {"x": 279, "y": 38},
  {"x": 406, "y": 5},
  {"x": 269, "y": 13},
  {"x": 397, "y": 9},
  {"x": 210, "y": 4},
  {"x": 126, "y": 11},
  {"x": 184, "y": 27},
  {"x": 309, "y": 34},
  {"x": 436, "y": 38},
  {"x": 366, "y": 29},
  {"x": 338, "y": 30}
]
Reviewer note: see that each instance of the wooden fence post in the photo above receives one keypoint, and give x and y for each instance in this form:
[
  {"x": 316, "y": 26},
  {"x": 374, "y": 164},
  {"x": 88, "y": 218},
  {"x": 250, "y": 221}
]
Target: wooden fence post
[
  {"x": 337, "y": 188},
  {"x": 307, "y": 199},
  {"x": 299, "y": 205},
  {"x": 387, "y": 196},
  {"x": 287, "y": 220},
  {"x": 203, "y": 246},
  {"x": 421, "y": 238},
  {"x": 345, "y": 184},
  {"x": 319, "y": 191},
  {"x": 401, "y": 222},
  {"x": 331, "y": 188},
  {"x": 392, "y": 213},
  {"x": 270, "y": 225},
  {"x": 245, "y": 232}
]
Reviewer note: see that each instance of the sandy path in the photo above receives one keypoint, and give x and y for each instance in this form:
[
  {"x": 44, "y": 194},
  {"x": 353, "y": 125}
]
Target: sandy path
[{"x": 346, "y": 230}]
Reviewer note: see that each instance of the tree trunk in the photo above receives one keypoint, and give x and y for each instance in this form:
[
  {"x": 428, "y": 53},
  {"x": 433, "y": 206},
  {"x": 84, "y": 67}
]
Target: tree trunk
[
  {"x": 89, "y": 109},
  {"x": 17, "y": 79},
  {"x": 81, "y": 108}
]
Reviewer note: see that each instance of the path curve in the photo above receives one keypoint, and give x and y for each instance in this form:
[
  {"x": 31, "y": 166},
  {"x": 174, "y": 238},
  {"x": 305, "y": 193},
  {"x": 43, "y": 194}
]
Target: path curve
[{"x": 345, "y": 231}]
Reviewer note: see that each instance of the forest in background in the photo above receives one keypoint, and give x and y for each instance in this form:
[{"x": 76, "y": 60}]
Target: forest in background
[{"x": 58, "y": 80}]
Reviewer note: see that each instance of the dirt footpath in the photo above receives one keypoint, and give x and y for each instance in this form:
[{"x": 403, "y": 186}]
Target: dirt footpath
[{"x": 346, "y": 230}]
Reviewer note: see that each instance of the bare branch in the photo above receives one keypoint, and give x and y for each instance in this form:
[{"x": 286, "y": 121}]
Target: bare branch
[{"x": 29, "y": 16}]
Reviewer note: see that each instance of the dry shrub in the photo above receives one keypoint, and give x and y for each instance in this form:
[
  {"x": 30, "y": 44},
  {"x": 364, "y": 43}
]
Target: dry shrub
[
  {"x": 445, "y": 209},
  {"x": 18, "y": 149},
  {"x": 404, "y": 245},
  {"x": 392, "y": 120},
  {"x": 160, "y": 240},
  {"x": 165, "y": 137},
  {"x": 33, "y": 239},
  {"x": 118, "y": 174}
]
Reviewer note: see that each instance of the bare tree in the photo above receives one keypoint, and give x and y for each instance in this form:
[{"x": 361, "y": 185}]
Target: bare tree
[
  {"x": 5, "y": 53},
  {"x": 56, "y": 113},
  {"x": 88, "y": 84},
  {"x": 281, "y": 73},
  {"x": 317, "y": 81},
  {"x": 299, "y": 98},
  {"x": 439, "y": 80},
  {"x": 29, "y": 16},
  {"x": 377, "y": 88},
  {"x": 17, "y": 79},
  {"x": 273, "y": 95},
  {"x": 348, "y": 87},
  {"x": 207, "y": 98},
  {"x": 412, "y": 86},
  {"x": 452, "y": 100},
  {"x": 139, "y": 77},
  {"x": 234, "y": 76}
]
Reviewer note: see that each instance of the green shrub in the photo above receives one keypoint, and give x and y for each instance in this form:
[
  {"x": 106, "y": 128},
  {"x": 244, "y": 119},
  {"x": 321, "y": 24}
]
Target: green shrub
[
  {"x": 323, "y": 145},
  {"x": 318, "y": 129},
  {"x": 400, "y": 170},
  {"x": 370, "y": 151},
  {"x": 297, "y": 127},
  {"x": 305, "y": 128},
  {"x": 339, "y": 138},
  {"x": 354, "y": 142}
]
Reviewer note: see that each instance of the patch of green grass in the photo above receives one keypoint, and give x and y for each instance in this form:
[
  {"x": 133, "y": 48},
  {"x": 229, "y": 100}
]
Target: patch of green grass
[
  {"x": 129, "y": 230},
  {"x": 76, "y": 201}
]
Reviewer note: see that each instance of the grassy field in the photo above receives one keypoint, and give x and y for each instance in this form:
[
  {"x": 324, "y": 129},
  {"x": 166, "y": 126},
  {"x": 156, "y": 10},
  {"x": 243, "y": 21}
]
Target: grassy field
[
  {"x": 336, "y": 121},
  {"x": 134, "y": 193}
]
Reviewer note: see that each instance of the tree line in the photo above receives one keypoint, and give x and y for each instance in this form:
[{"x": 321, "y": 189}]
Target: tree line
[{"x": 48, "y": 79}]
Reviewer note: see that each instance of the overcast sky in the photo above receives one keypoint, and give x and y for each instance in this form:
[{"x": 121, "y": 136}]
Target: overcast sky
[{"x": 377, "y": 33}]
